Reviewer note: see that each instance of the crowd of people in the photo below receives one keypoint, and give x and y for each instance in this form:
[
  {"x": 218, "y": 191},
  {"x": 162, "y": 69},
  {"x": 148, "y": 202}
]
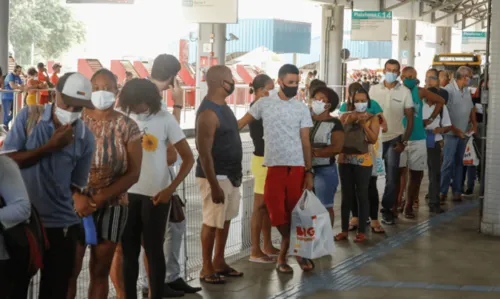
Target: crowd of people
[{"x": 96, "y": 163}]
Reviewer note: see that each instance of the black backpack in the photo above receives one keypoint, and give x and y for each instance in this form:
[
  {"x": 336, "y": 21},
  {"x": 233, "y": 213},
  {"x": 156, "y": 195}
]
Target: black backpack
[{"x": 26, "y": 242}]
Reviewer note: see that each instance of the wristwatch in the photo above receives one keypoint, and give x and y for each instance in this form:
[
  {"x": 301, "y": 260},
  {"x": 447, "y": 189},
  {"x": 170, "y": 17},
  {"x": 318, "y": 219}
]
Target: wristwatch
[
  {"x": 178, "y": 106},
  {"x": 310, "y": 170},
  {"x": 405, "y": 143},
  {"x": 431, "y": 119}
]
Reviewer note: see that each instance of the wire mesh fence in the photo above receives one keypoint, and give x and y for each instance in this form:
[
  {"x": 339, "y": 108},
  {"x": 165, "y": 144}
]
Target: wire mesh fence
[{"x": 238, "y": 243}]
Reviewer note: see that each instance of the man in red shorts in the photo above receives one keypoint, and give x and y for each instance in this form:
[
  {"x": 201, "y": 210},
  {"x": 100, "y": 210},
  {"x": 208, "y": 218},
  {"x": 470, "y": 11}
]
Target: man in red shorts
[{"x": 286, "y": 122}]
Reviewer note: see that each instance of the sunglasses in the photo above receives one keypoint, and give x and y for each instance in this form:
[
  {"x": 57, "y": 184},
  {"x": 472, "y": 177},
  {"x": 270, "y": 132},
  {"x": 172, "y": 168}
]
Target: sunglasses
[{"x": 432, "y": 78}]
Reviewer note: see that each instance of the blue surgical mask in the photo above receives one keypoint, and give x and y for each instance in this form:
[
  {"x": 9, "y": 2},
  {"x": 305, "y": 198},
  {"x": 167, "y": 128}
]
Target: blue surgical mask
[
  {"x": 390, "y": 77},
  {"x": 410, "y": 83}
]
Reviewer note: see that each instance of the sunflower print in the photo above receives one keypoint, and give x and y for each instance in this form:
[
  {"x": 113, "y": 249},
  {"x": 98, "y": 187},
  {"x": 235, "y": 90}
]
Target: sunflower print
[{"x": 149, "y": 142}]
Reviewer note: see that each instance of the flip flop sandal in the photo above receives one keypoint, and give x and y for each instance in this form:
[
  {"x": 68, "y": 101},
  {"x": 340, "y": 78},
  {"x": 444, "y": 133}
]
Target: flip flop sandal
[
  {"x": 409, "y": 214},
  {"x": 230, "y": 272},
  {"x": 378, "y": 229},
  {"x": 341, "y": 237},
  {"x": 280, "y": 267},
  {"x": 212, "y": 279},
  {"x": 262, "y": 260},
  {"x": 360, "y": 238},
  {"x": 304, "y": 262}
]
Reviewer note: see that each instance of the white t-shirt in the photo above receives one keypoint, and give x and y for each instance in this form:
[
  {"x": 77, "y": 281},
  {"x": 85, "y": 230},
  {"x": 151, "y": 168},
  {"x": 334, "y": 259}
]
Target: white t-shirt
[
  {"x": 393, "y": 102},
  {"x": 157, "y": 131},
  {"x": 446, "y": 122},
  {"x": 282, "y": 121}
]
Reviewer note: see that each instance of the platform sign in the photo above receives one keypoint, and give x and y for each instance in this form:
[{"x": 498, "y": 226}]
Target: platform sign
[
  {"x": 210, "y": 11},
  {"x": 371, "y": 26},
  {"x": 100, "y": 1},
  {"x": 473, "y": 41}
]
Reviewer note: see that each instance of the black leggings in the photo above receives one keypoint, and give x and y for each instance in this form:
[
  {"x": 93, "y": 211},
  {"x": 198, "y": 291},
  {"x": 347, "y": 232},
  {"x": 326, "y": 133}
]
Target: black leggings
[
  {"x": 148, "y": 221},
  {"x": 373, "y": 200},
  {"x": 354, "y": 181}
]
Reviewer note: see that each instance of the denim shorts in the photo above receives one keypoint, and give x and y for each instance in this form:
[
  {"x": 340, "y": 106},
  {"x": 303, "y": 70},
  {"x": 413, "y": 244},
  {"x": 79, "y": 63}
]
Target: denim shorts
[{"x": 326, "y": 181}]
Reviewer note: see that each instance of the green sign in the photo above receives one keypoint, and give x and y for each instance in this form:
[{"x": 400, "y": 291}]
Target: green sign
[
  {"x": 366, "y": 15},
  {"x": 473, "y": 34}
]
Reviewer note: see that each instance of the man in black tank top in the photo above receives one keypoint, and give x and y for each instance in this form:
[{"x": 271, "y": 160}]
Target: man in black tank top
[{"x": 218, "y": 172}]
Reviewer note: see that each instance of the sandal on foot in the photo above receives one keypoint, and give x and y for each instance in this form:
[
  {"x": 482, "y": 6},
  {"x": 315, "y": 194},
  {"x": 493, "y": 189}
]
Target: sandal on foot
[
  {"x": 341, "y": 237},
  {"x": 409, "y": 214},
  {"x": 262, "y": 260},
  {"x": 378, "y": 229},
  {"x": 230, "y": 272},
  {"x": 360, "y": 238},
  {"x": 284, "y": 269},
  {"x": 212, "y": 279},
  {"x": 303, "y": 262}
]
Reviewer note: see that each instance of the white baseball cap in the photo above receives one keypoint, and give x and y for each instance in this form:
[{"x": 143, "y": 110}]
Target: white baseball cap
[{"x": 77, "y": 87}]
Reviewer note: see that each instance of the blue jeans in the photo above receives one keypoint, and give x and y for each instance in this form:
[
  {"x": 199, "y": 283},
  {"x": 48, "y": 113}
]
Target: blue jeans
[
  {"x": 7, "y": 108},
  {"x": 326, "y": 181},
  {"x": 452, "y": 167},
  {"x": 392, "y": 179}
]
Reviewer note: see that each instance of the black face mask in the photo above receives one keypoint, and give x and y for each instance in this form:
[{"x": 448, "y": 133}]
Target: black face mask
[
  {"x": 231, "y": 88},
  {"x": 290, "y": 91}
]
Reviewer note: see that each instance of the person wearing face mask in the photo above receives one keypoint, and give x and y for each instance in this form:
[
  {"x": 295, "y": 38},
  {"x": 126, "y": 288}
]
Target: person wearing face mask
[
  {"x": 435, "y": 130},
  {"x": 148, "y": 211},
  {"x": 54, "y": 148},
  {"x": 116, "y": 166},
  {"x": 414, "y": 157},
  {"x": 12, "y": 82},
  {"x": 355, "y": 164},
  {"x": 372, "y": 109},
  {"x": 464, "y": 123},
  {"x": 327, "y": 139},
  {"x": 163, "y": 75},
  {"x": 218, "y": 172},
  {"x": 261, "y": 87},
  {"x": 288, "y": 156},
  {"x": 396, "y": 102}
]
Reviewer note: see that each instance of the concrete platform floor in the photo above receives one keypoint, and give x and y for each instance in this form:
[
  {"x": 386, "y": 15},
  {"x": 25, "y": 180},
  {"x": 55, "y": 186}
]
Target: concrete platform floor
[{"x": 430, "y": 257}]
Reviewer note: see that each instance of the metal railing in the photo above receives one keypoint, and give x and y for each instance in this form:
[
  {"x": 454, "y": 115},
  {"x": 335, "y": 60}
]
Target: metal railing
[{"x": 238, "y": 243}]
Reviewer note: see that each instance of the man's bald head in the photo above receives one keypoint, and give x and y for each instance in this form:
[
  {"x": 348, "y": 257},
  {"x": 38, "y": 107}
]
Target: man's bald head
[
  {"x": 409, "y": 72},
  {"x": 220, "y": 80},
  {"x": 217, "y": 74}
]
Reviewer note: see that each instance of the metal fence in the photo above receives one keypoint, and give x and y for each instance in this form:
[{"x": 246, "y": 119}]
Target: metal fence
[{"x": 238, "y": 243}]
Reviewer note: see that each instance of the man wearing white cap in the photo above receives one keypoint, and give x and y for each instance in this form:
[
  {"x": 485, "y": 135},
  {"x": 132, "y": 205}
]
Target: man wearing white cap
[{"x": 54, "y": 149}]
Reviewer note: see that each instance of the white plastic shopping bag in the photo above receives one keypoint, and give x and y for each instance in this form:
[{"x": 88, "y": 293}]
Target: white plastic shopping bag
[
  {"x": 311, "y": 231},
  {"x": 378, "y": 168},
  {"x": 471, "y": 157}
]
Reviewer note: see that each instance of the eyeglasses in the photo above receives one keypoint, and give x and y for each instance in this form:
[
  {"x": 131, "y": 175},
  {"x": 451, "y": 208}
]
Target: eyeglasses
[{"x": 432, "y": 78}]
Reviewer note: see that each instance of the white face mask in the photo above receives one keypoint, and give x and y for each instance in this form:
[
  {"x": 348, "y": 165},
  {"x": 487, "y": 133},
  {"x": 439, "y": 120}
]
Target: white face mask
[
  {"x": 361, "y": 107},
  {"x": 140, "y": 117},
  {"x": 67, "y": 117},
  {"x": 103, "y": 99},
  {"x": 318, "y": 107}
]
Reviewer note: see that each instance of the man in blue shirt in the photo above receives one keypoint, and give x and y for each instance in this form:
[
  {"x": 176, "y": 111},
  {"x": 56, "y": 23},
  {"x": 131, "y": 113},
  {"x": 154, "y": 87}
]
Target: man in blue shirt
[
  {"x": 12, "y": 82},
  {"x": 54, "y": 150}
]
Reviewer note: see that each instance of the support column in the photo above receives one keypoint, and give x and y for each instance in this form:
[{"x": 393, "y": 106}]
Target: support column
[
  {"x": 490, "y": 222},
  {"x": 407, "y": 35},
  {"x": 217, "y": 46},
  {"x": 4, "y": 36},
  {"x": 443, "y": 40},
  {"x": 331, "y": 44},
  {"x": 219, "y": 31}
]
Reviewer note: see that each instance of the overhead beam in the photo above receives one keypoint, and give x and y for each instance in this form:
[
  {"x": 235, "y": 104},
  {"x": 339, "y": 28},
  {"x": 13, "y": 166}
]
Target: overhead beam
[
  {"x": 460, "y": 11},
  {"x": 464, "y": 16},
  {"x": 474, "y": 23},
  {"x": 441, "y": 7},
  {"x": 392, "y": 7}
]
